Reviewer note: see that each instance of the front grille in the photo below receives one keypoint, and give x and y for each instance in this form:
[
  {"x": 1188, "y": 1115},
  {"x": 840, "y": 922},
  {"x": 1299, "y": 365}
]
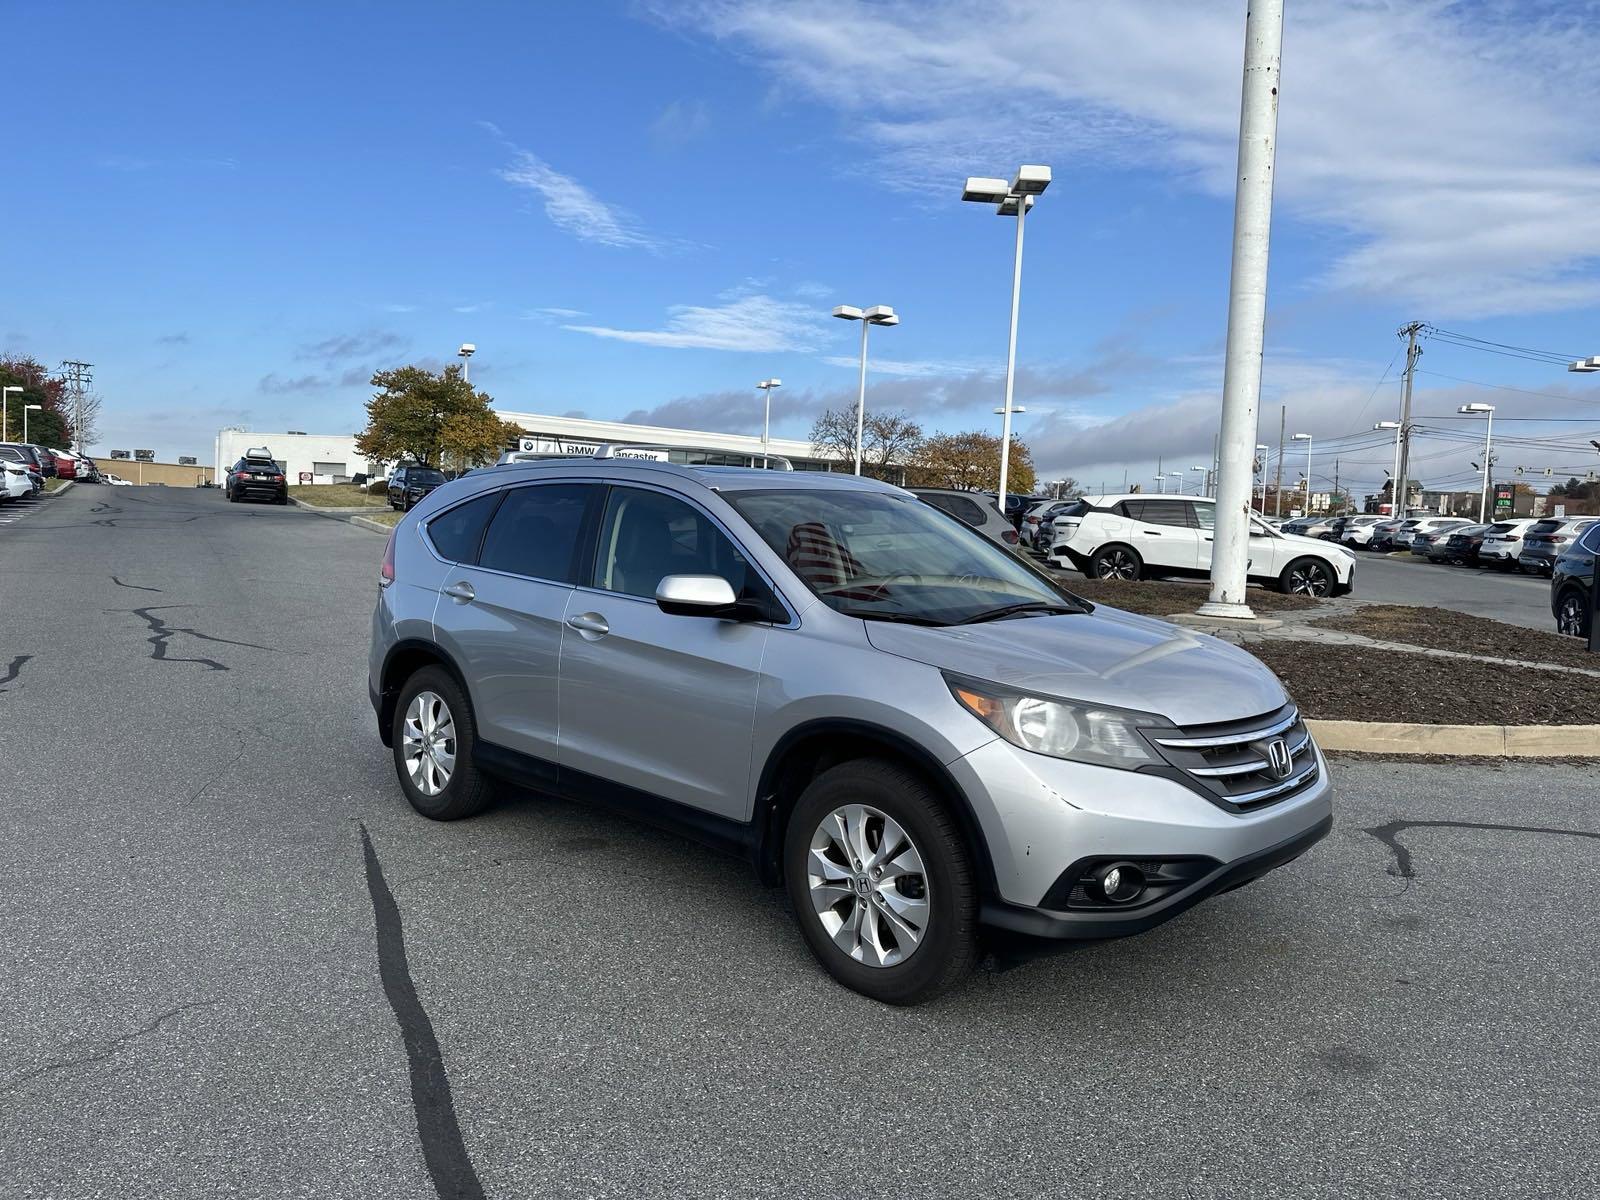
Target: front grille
[{"x": 1232, "y": 762}]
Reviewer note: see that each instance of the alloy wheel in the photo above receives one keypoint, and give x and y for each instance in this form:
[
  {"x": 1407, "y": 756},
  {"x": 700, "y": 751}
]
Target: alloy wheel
[
  {"x": 428, "y": 743},
  {"x": 1570, "y": 620},
  {"x": 1117, "y": 564},
  {"x": 868, "y": 885},
  {"x": 1310, "y": 580}
]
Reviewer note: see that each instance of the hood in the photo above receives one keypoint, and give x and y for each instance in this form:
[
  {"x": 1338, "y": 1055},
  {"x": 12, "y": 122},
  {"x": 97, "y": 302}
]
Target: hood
[
  {"x": 1106, "y": 657},
  {"x": 1301, "y": 540}
]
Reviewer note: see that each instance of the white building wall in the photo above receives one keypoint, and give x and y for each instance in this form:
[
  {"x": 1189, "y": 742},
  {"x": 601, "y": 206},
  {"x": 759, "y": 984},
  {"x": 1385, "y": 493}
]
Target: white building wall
[{"x": 297, "y": 453}]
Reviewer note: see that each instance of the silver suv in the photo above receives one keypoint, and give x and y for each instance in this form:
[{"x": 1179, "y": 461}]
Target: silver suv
[{"x": 913, "y": 730}]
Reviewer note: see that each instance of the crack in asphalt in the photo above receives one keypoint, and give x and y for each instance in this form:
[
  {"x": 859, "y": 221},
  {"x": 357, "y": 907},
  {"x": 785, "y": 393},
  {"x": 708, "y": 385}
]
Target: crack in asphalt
[
  {"x": 14, "y": 669},
  {"x": 1404, "y": 866},
  {"x": 107, "y": 1051},
  {"x": 443, "y": 1149},
  {"x": 161, "y": 633},
  {"x": 134, "y": 586}
]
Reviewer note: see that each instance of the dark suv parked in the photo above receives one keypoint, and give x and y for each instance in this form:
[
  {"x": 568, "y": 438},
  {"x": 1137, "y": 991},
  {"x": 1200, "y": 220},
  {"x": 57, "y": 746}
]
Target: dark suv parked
[
  {"x": 256, "y": 476},
  {"x": 1571, "y": 581},
  {"x": 409, "y": 484}
]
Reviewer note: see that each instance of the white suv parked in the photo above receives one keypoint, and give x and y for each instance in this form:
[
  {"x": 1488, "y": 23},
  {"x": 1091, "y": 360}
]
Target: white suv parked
[
  {"x": 1133, "y": 535},
  {"x": 1502, "y": 544}
]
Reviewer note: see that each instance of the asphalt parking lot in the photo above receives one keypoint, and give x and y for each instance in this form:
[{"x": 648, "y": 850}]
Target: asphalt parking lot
[{"x": 234, "y": 962}]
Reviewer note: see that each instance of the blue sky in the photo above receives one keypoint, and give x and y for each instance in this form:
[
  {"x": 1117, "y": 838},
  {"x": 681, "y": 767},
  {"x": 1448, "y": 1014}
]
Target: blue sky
[{"x": 237, "y": 212}]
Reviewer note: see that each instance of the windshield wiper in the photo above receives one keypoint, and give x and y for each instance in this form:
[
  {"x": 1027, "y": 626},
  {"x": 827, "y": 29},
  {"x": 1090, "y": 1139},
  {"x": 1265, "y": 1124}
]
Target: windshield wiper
[
  {"x": 904, "y": 618},
  {"x": 1026, "y": 606}
]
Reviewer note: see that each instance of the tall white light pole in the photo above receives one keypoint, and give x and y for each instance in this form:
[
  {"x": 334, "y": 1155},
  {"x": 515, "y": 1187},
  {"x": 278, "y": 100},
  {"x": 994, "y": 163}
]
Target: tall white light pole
[
  {"x": 1306, "y": 438},
  {"x": 1261, "y": 456},
  {"x": 1487, "y": 410},
  {"x": 1178, "y": 475},
  {"x": 878, "y": 314},
  {"x": 766, "y": 385},
  {"x": 1247, "y": 306},
  {"x": 1396, "y": 508},
  {"x": 465, "y": 355},
  {"x": 1010, "y": 200},
  {"x": 1200, "y": 484},
  {"x": 26, "y": 409},
  {"x": 5, "y": 408}
]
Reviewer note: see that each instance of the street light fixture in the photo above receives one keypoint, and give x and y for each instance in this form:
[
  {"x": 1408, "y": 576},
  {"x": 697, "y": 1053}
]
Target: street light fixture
[
  {"x": 1396, "y": 504},
  {"x": 1306, "y": 438},
  {"x": 5, "y": 406},
  {"x": 1585, "y": 366},
  {"x": 766, "y": 385},
  {"x": 878, "y": 314},
  {"x": 1178, "y": 475},
  {"x": 1200, "y": 489},
  {"x": 465, "y": 355},
  {"x": 1487, "y": 410},
  {"x": 1010, "y": 200},
  {"x": 26, "y": 409}
]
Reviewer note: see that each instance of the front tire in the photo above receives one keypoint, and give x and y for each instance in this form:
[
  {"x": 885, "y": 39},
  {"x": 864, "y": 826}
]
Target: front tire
[
  {"x": 1116, "y": 562},
  {"x": 435, "y": 742},
  {"x": 1572, "y": 614},
  {"x": 881, "y": 882},
  {"x": 1307, "y": 577}
]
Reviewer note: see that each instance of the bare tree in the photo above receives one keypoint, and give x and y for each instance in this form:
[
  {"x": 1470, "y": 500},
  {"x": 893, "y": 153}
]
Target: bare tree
[
  {"x": 88, "y": 419},
  {"x": 890, "y": 441}
]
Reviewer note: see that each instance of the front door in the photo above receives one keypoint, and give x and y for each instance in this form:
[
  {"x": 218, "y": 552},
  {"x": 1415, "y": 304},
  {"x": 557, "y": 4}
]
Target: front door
[{"x": 657, "y": 703}]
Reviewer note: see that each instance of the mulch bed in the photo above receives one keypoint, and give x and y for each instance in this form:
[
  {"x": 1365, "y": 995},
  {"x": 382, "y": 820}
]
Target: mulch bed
[
  {"x": 1353, "y": 683},
  {"x": 1442, "y": 629},
  {"x": 1155, "y": 598}
]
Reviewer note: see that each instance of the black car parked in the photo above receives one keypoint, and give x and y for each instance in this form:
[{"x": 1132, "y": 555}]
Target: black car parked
[
  {"x": 257, "y": 477},
  {"x": 30, "y": 456},
  {"x": 409, "y": 484},
  {"x": 1571, "y": 581}
]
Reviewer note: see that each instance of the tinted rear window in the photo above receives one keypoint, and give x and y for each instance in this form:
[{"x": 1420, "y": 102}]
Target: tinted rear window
[
  {"x": 535, "y": 532},
  {"x": 455, "y": 533},
  {"x": 1546, "y": 527},
  {"x": 424, "y": 475}
]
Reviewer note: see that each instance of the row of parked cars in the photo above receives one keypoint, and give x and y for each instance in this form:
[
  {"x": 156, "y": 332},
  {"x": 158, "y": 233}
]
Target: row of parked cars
[
  {"x": 1531, "y": 544},
  {"x": 24, "y": 467}
]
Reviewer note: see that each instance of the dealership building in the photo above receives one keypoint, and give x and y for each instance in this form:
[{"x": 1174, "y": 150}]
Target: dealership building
[{"x": 333, "y": 458}]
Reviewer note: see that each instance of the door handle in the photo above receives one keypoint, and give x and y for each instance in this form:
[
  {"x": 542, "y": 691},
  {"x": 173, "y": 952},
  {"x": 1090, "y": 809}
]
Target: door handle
[
  {"x": 1150, "y": 532},
  {"x": 589, "y": 624},
  {"x": 460, "y": 592}
]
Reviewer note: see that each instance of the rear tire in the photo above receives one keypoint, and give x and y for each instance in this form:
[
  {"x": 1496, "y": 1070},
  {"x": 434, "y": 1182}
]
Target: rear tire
[
  {"x": 435, "y": 739},
  {"x": 1116, "y": 562},
  {"x": 915, "y": 910}
]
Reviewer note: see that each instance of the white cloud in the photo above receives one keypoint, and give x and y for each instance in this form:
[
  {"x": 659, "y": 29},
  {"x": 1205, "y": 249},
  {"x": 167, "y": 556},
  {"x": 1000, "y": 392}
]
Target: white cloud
[
  {"x": 574, "y": 209},
  {"x": 1447, "y": 146},
  {"x": 553, "y": 314},
  {"x": 681, "y": 122},
  {"x": 752, "y": 322},
  {"x": 908, "y": 370}
]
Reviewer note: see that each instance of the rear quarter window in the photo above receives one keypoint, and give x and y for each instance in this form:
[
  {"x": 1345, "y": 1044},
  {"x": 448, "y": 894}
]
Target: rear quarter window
[{"x": 456, "y": 533}]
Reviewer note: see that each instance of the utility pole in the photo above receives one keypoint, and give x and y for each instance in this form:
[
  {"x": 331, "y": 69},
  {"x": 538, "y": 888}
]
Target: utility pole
[
  {"x": 1402, "y": 464},
  {"x": 77, "y": 376},
  {"x": 1334, "y": 499},
  {"x": 1277, "y": 486}
]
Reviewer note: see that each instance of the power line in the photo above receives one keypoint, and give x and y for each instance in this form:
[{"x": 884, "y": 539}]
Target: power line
[
  {"x": 1506, "y": 388},
  {"x": 1467, "y": 342}
]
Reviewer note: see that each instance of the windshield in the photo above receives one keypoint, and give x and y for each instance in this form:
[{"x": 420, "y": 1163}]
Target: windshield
[{"x": 888, "y": 557}]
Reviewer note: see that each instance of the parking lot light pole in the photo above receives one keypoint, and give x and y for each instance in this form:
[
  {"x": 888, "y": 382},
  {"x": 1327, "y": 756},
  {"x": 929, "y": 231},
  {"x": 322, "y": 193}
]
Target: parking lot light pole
[
  {"x": 5, "y": 409},
  {"x": 1261, "y": 454},
  {"x": 766, "y": 385},
  {"x": 465, "y": 355},
  {"x": 1010, "y": 200},
  {"x": 1247, "y": 306},
  {"x": 878, "y": 314},
  {"x": 1394, "y": 501},
  {"x": 1306, "y": 438},
  {"x": 1200, "y": 484},
  {"x": 1472, "y": 410},
  {"x": 1178, "y": 475},
  {"x": 26, "y": 409}
]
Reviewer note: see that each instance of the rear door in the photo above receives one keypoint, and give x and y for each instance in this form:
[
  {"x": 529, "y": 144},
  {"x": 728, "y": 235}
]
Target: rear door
[
  {"x": 657, "y": 703},
  {"x": 502, "y": 603},
  {"x": 1162, "y": 532}
]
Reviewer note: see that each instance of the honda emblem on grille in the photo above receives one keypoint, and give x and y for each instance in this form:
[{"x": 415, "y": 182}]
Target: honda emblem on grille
[{"x": 1278, "y": 758}]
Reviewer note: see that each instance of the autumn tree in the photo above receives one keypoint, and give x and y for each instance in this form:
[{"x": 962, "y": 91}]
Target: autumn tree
[
  {"x": 52, "y": 425},
  {"x": 889, "y": 441},
  {"x": 433, "y": 419},
  {"x": 971, "y": 460}
]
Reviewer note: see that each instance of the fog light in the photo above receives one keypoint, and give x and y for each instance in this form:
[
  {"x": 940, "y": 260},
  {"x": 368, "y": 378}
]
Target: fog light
[{"x": 1121, "y": 882}]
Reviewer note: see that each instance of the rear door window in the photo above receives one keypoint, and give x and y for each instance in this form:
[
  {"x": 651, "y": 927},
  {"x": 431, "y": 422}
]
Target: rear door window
[
  {"x": 456, "y": 532},
  {"x": 1162, "y": 512},
  {"x": 535, "y": 532}
]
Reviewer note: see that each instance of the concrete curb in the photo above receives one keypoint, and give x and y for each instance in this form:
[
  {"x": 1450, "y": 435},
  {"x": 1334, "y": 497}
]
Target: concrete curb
[
  {"x": 60, "y": 491},
  {"x": 326, "y": 511},
  {"x": 375, "y": 526},
  {"x": 348, "y": 515},
  {"x": 1479, "y": 741}
]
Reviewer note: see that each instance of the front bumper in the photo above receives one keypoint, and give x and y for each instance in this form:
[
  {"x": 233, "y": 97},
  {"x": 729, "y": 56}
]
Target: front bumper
[{"x": 1044, "y": 819}]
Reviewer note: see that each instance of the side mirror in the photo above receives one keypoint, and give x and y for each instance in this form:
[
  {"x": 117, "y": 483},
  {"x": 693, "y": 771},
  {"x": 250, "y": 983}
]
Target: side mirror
[{"x": 696, "y": 596}]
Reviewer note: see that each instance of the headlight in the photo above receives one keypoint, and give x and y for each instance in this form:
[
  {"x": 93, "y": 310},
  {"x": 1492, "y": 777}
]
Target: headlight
[{"x": 1087, "y": 733}]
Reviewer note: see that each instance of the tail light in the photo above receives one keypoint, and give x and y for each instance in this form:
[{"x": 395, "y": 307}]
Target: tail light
[
  {"x": 386, "y": 572},
  {"x": 277, "y": 479},
  {"x": 1009, "y": 537}
]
